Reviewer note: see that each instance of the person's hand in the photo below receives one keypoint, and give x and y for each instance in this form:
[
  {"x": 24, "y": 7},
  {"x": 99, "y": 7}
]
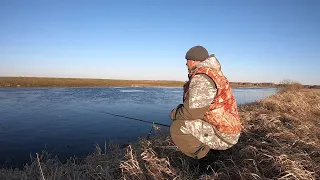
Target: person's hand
[{"x": 174, "y": 112}]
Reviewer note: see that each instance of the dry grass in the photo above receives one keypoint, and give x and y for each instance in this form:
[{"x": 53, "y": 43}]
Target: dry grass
[
  {"x": 285, "y": 131},
  {"x": 11, "y": 82},
  {"x": 80, "y": 82},
  {"x": 280, "y": 140},
  {"x": 286, "y": 85}
]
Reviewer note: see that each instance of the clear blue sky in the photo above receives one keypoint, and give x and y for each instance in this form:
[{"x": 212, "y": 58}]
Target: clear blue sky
[{"x": 256, "y": 40}]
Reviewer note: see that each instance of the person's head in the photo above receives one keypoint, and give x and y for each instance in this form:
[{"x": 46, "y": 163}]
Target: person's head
[{"x": 195, "y": 55}]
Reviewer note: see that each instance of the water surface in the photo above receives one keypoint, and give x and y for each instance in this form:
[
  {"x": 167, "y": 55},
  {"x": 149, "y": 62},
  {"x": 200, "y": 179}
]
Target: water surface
[{"x": 65, "y": 121}]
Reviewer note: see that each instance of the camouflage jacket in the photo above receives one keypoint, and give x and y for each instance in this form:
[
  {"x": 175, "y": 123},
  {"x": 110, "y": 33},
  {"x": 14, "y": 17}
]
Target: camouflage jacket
[
  {"x": 211, "y": 114},
  {"x": 199, "y": 92},
  {"x": 223, "y": 112}
]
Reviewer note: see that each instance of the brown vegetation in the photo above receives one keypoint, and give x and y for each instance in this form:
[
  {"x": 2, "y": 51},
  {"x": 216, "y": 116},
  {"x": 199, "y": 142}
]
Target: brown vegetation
[
  {"x": 249, "y": 84},
  {"x": 13, "y": 82},
  {"x": 77, "y": 82},
  {"x": 290, "y": 85},
  {"x": 280, "y": 140}
]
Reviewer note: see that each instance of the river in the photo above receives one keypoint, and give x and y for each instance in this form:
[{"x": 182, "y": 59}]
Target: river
[{"x": 68, "y": 121}]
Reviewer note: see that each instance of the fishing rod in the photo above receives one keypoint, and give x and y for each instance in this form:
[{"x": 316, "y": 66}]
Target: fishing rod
[{"x": 136, "y": 119}]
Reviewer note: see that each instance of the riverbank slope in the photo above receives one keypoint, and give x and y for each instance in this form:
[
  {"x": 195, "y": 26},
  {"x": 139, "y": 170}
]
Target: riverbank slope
[{"x": 280, "y": 140}]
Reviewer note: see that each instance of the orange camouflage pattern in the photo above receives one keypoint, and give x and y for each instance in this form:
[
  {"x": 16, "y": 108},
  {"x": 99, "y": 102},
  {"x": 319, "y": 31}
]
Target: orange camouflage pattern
[{"x": 223, "y": 112}]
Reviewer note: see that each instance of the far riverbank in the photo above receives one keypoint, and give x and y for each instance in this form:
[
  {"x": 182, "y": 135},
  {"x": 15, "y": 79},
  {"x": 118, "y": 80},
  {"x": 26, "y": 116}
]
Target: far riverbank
[{"x": 16, "y": 82}]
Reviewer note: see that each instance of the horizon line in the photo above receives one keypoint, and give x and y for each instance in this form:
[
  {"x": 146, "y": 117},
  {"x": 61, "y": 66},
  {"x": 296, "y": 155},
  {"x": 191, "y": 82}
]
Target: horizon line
[{"x": 136, "y": 79}]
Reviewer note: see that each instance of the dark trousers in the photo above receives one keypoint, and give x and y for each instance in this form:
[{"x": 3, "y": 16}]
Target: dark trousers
[{"x": 187, "y": 143}]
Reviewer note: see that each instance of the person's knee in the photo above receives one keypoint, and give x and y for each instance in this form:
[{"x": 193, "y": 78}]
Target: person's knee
[
  {"x": 187, "y": 143},
  {"x": 176, "y": 126}
]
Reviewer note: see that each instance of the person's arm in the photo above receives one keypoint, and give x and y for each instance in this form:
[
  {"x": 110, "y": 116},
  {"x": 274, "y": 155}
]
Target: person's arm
[{"x": 202, "y": 91}]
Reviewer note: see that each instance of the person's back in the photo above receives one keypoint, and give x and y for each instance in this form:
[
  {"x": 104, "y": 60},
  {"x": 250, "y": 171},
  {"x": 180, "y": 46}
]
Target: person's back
[{"x": 208, "y": 118}]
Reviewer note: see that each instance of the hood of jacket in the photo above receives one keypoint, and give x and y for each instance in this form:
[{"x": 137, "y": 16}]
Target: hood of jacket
[{"x": 211, "y": 62}]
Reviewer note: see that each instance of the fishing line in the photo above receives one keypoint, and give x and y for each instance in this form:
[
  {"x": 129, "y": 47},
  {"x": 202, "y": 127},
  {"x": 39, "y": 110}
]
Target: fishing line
[{"x": 136, "y": 119}]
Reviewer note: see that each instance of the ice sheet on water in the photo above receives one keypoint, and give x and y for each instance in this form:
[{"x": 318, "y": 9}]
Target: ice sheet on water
[{"x": 131, "y": 90}]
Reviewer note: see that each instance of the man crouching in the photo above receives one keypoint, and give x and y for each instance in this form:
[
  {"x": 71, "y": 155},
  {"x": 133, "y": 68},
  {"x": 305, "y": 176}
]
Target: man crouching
[{"x": 208, "y": 118}]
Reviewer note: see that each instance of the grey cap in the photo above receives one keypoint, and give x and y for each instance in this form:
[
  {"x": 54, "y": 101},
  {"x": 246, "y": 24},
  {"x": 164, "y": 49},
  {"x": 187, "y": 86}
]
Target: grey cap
[{"x": 197, "y": 53}]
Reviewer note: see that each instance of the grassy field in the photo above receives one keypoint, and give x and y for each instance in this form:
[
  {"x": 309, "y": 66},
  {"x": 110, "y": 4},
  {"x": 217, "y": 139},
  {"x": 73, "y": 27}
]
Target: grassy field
[
  {"x": 280, "y": 140},
  {"x": 14, "y": 82},
  {"x": 77, "y": 82}
]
